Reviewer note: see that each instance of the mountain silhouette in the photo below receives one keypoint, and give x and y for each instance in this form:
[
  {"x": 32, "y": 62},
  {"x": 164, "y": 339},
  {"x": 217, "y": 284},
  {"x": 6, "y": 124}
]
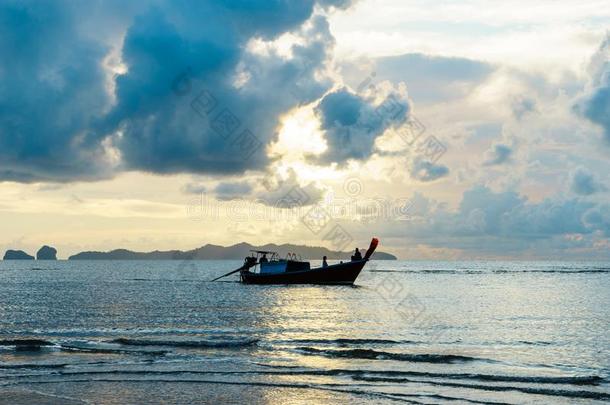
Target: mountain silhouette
[{"x": 216, "y": 252}]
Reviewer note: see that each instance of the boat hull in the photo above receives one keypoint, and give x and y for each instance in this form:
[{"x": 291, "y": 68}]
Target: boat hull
[{"x": 342, "y": 274}]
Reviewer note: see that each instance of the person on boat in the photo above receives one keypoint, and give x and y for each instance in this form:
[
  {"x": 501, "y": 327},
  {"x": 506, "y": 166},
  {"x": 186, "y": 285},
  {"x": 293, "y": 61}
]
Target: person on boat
[
  {"x": 324, "y": 263},
  {"x": 263, "y": 259},
  {"x": 357, "y": 255}
]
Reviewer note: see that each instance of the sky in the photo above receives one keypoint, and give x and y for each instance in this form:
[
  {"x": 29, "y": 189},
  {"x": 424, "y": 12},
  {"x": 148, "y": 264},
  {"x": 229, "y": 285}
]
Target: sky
[{"x": 451, "y": 130}]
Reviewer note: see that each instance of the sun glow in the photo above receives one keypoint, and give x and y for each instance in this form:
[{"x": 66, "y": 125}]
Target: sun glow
[{"x": 300, "y": 135}]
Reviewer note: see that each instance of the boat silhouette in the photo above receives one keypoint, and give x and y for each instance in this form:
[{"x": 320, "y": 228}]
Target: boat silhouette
[{"x": 258, "y": 269}]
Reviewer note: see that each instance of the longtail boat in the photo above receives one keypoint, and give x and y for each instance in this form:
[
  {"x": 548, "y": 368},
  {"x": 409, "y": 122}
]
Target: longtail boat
[{"x": 258, "y": 269}]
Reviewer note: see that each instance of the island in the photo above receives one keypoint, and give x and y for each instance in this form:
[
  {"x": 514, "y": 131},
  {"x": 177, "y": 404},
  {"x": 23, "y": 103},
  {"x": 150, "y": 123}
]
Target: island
[
  {"x": 46, "y": 253},
  {"x": 17, "y": 255},
  {"x": 234, "y": 252}
]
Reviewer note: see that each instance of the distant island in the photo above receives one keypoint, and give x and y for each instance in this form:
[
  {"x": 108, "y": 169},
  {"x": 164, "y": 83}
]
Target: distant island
[
  {"x": 44, "y": 253},
  {"x": 216, "y": 252},
  {"x": 17, "y": 255}
]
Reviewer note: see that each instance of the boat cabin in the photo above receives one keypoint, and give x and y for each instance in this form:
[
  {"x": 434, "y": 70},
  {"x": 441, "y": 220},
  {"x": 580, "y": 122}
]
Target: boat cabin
[{"x": 269, "y": 262}]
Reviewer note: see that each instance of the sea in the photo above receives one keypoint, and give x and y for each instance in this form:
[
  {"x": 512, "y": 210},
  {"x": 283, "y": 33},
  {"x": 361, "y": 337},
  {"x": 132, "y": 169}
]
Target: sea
[{"x": 416, "y": 332}]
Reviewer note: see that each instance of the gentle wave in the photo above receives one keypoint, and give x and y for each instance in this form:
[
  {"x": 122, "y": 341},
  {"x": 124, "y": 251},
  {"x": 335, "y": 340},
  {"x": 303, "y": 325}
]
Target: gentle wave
[
  {"x": 356, "y": 375},
  {"x": 584, "y": 271},
  {"x": 536, "y": 343},
  {"x": 348, "y": 341},
  {"x": 26, "y": 342},
  {"x": 381, "y": 355},
  {"x": 32, "y": 366},
  {"x": 379, "y": 375},
  {"x": 78, "y": 346},
  {"x": 95, "y": 347},
  {"x": 500, "y": 388},
  {"x": 339, "y": 388},
  {"x": 186, "y": 343},
  {"x": 120, "y": 332},
  {"x": 549, "y": 271},
  {"x": 389, "y": 375}
]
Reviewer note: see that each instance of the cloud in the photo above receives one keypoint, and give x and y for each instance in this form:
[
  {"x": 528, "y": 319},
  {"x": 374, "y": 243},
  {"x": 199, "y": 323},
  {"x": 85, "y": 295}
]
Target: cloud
[
  {"x": 432, "y": 78},
  {"x": 499, "y": 154},
  {"x": 427, "y": 171},
  {"x": 52, "y": 89},
  {"x": 584, "y": 183},
  {"x": 598, "y": 109},
  {"x": 159, "y": 133},
  {"x": 419, "y": 205},
  {"x": 523, "y": 105},
  {"x": 66, "y": 114},
  {"x": 599, "y": 218},
  {"x": 596, "y": 106},
  {"x": 352, "y": 123},
  {"x": 488, "y": 223},
  {"x": 194, "y": 188},
  {"x": 499, "y": 222},
  {"x": 288, "y": 192},
  {"x": 232, "y": 190}
]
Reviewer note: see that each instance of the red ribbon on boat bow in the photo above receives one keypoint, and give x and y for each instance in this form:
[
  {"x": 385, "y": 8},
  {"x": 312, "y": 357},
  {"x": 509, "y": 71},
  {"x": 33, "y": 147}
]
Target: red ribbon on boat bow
[{"x": 371, "y": 248}]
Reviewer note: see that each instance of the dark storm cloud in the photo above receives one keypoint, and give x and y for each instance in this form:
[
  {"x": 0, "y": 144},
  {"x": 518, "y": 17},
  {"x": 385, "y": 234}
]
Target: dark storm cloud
[
  {"x": 51, "y": 90},
  {"x": 161, "y": 134},
  {"x": 60, "y": 122}
]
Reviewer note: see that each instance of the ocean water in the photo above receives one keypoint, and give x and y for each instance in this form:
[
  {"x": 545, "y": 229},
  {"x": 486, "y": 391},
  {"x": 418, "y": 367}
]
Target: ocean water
[{"x": 415, "y": 332}]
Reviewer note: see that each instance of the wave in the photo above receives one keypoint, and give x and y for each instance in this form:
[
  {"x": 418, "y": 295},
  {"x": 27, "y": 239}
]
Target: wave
[
  {"x": 26, "y": 345},
  {"x": 380, "y": 355},
  {"x": 393, "y": 376},
  {"x": 211, "y": 343},
  {"x": 571, "y": 380},
  {"x": 163, "y": 280},
  {"x": 562, "y": 270},
  {"x": 433, "y": 271},
  {"x": 25, "y": 342},
  {"x": 32, "y": 366},
  {"x": 385, "y": 376},
  {"x": 536, "y": 343},
  {"x": 106, "y": 349},
  {"x": 338, "y": 388},
  {"x": 348, "y": 341},
  {"x": 120, "y": 332},
  {"x": 379, "y": 375},
  {"x": 557, "y": 271},
  {"x": 89, "y": 347},
  {"x": 357, "y": 375},
  {"x": 500, "y": 388}
]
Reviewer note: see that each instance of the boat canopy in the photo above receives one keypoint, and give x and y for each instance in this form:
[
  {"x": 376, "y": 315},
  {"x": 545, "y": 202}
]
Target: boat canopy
[
  {"x": 263, "y": 252},
  {"x": 270, "y": 255}
]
